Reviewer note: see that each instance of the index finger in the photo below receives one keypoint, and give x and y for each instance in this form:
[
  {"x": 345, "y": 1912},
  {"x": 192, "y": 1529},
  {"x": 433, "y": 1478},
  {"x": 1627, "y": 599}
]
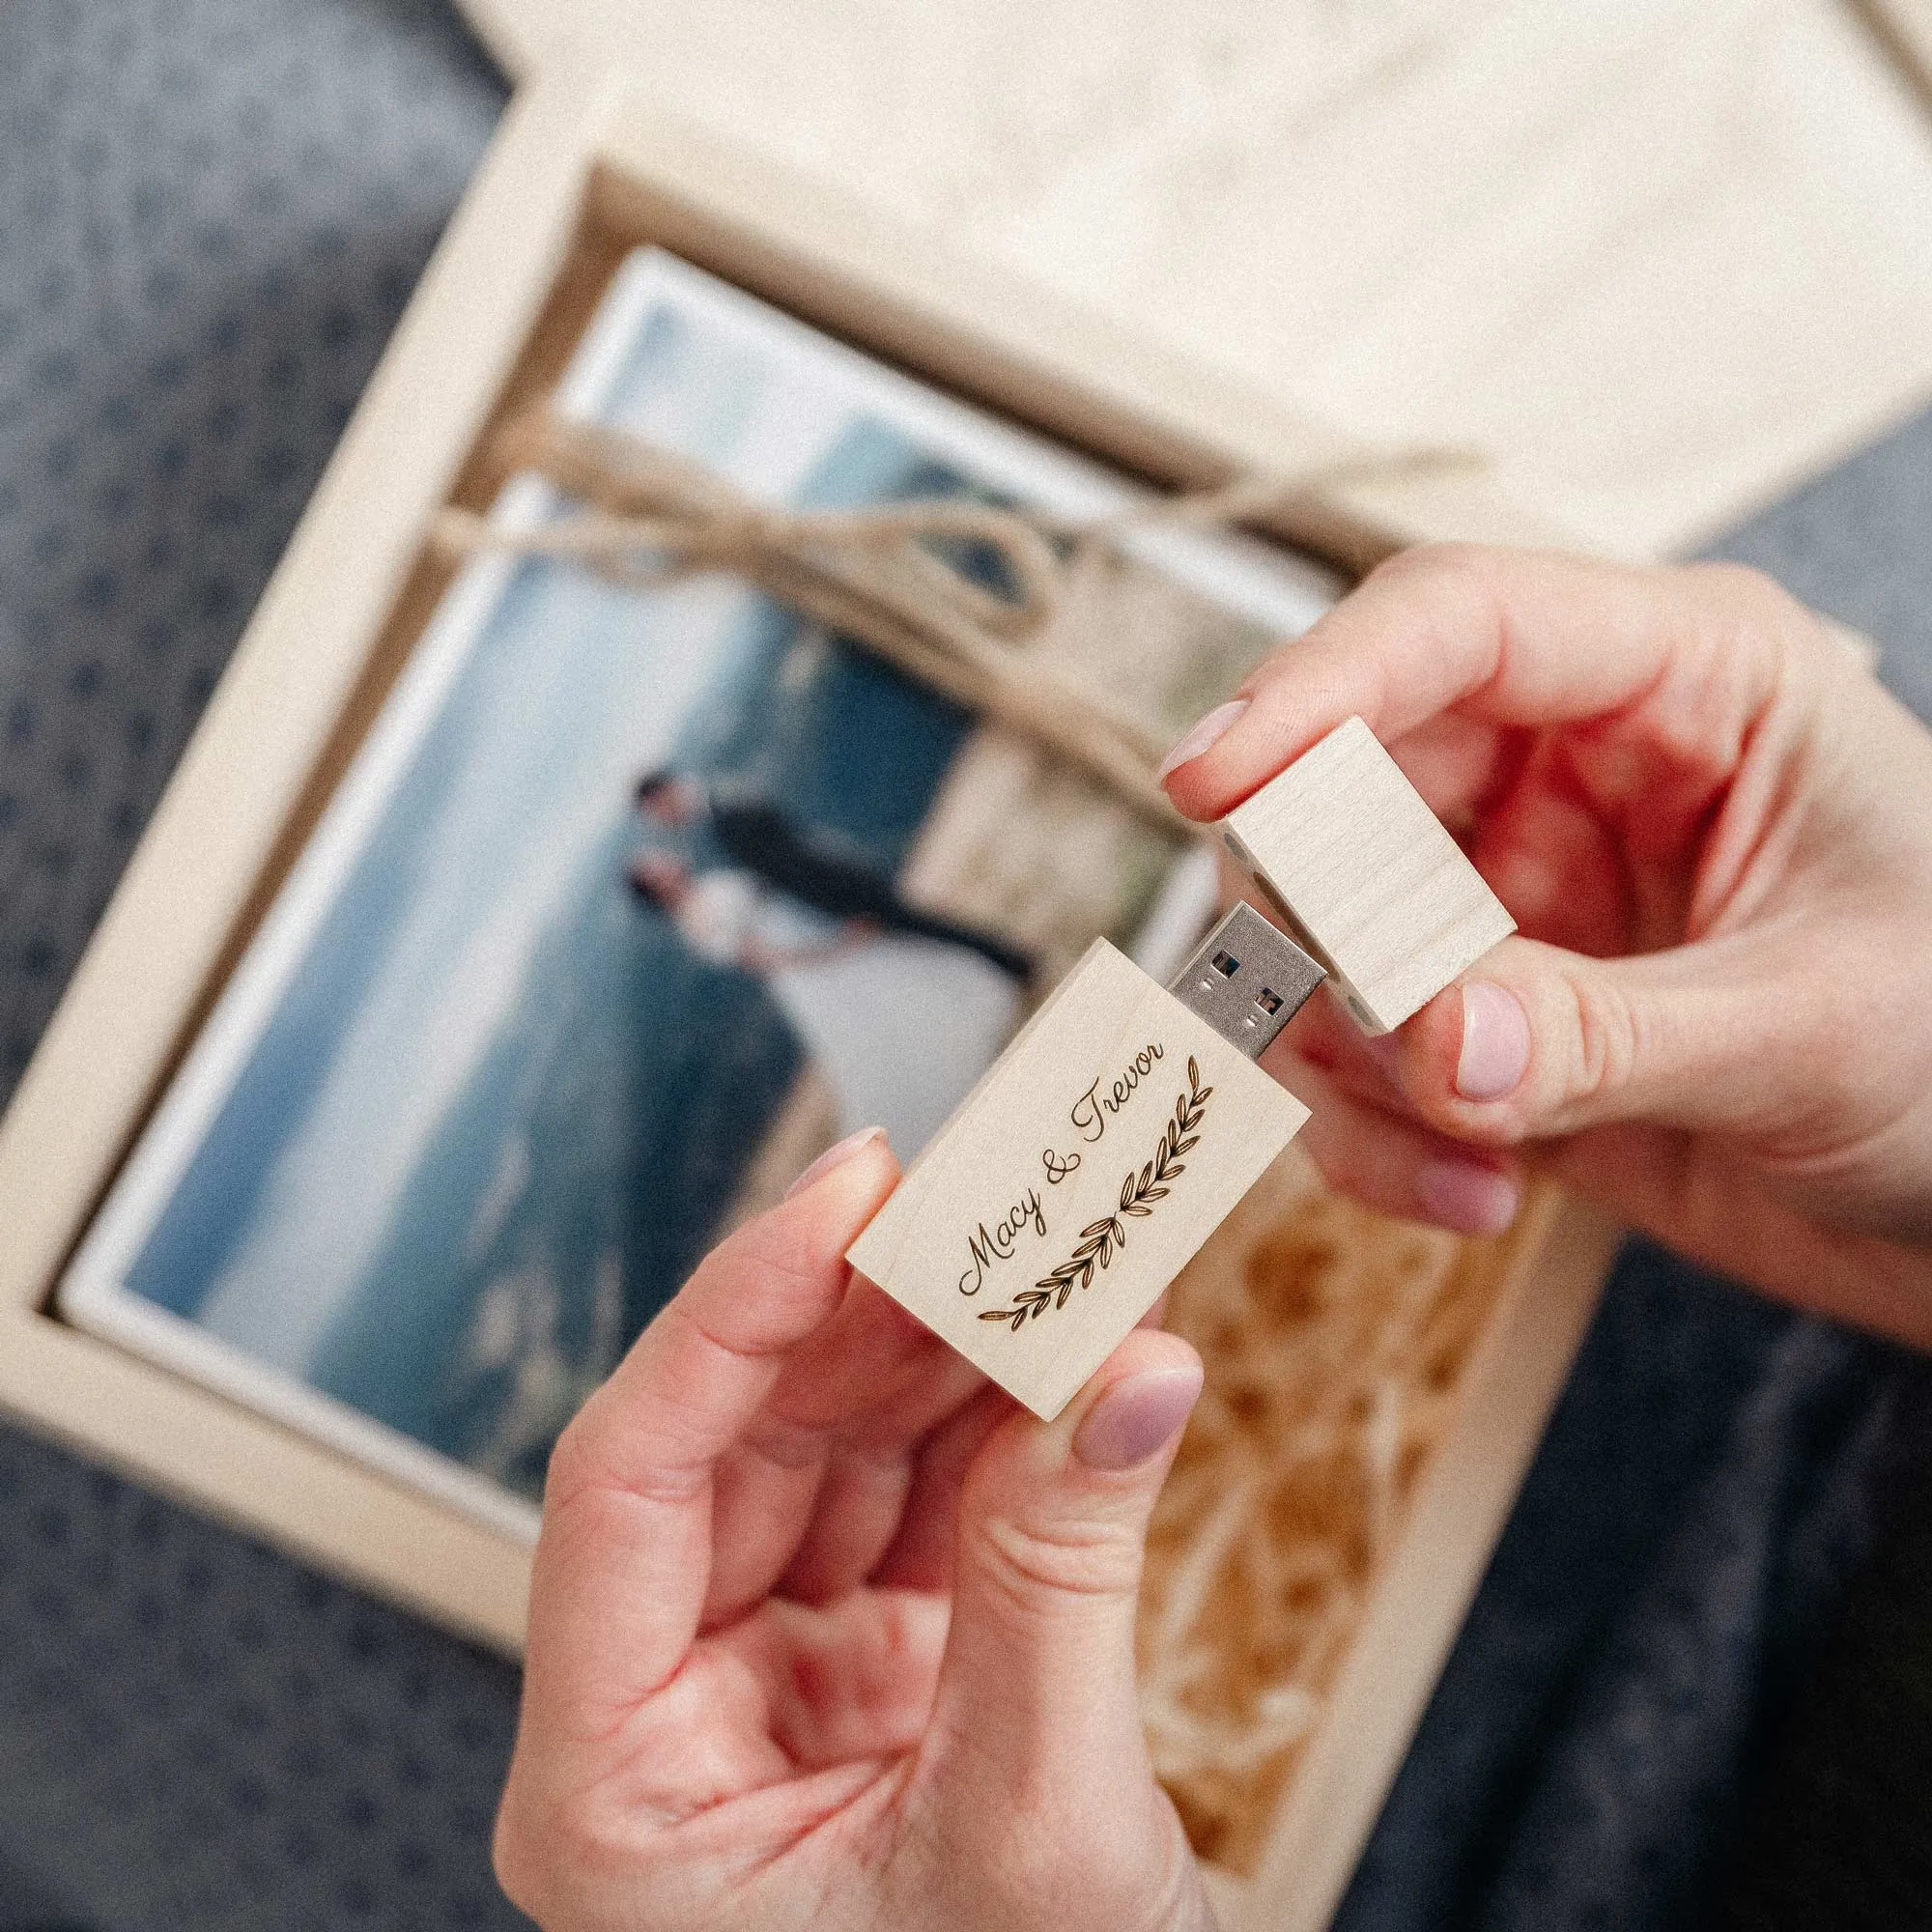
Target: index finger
[
  {"x": 624, "y": 1558},
  {"x": 1513, "y": 637}
]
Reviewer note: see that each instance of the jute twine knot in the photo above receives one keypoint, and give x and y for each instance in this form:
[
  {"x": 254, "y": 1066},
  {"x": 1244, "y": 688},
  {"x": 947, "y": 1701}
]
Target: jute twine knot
[{"x": 650, "y": 516}]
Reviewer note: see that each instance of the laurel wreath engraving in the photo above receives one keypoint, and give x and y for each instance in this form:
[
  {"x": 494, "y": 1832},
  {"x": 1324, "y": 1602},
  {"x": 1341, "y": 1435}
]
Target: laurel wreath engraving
[{"x": 1098, "y": 1240}]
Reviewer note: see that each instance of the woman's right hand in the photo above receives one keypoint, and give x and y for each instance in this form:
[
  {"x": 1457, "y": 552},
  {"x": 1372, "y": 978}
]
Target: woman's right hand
[{"x": 1714, "y": 829}]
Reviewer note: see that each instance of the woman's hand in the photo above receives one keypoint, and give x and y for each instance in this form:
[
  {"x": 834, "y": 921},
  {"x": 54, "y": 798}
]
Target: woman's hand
[
  {"x": 1714, "y": 829},
  {"x": 826, "y": 1633}
]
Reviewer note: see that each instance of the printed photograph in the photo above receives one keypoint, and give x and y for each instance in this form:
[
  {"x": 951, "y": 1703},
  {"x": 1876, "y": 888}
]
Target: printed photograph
[{"x": 631, "y": 902}]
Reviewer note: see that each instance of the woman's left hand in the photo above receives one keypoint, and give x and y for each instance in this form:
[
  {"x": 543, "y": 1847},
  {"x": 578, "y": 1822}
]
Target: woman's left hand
[{"x": 825, "y": 1631}]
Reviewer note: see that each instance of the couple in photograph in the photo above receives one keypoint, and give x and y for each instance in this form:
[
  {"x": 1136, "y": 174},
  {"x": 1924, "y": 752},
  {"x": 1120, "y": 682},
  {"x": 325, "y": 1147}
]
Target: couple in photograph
[{"x": 900, "y": 1009}]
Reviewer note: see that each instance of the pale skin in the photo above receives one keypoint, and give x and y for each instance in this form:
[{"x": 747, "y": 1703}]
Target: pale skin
[
  {"x": 1714, "y": 829},
  {"x": 825, "y": 1633}
]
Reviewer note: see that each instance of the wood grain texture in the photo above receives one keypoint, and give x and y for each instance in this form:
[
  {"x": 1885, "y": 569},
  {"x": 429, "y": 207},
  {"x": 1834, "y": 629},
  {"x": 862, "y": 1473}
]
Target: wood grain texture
[
  {"x": 1076, "y": 1181},
  {"x": 1022, "y": 349},
  {"x": 1367, "y": 877},
  {"x": 1658, "y": 258}
]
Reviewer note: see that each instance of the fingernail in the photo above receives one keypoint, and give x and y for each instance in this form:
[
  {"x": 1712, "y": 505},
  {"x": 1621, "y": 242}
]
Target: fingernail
[
  {"x": 1203, "y": 733},
  {"x": 1496, "y": 1042},
  {"x": 1137, "y": 1416},
  {"x": 834, "y": 1157},
  {"x": 1467, "y": 1197}
]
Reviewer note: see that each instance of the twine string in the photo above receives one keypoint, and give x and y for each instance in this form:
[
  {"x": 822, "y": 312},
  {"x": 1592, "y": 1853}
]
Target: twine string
[{"x": 650, "y": 516}]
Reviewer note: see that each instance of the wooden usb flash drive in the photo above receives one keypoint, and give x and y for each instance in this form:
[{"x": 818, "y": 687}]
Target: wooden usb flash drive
[{"x": 1126, "y": 1119}]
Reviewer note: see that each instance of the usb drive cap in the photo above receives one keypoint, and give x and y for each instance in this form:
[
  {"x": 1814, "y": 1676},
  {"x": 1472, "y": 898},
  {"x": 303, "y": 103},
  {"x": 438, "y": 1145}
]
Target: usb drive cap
[
  {"x": 1247, "y": 980},
  {"x": 1366, "y": 876}
]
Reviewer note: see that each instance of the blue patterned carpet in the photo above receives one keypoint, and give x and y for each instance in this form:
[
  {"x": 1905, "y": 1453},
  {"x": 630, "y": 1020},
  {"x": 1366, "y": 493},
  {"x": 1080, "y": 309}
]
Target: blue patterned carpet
[{"x": 210, "y": 213}]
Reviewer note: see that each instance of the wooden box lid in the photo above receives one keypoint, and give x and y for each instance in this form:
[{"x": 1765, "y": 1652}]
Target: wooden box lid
[{"x": 1657, "y": 263}]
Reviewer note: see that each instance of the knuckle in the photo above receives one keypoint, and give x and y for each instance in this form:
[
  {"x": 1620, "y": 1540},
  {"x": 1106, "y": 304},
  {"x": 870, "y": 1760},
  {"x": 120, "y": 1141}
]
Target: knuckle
[
  {"x": 1825, "y": 1033},
  {"x": 1440, "y": 573},
  {"x": 570, "y": 1464},
  {"x": 1742, "y": 589},
  {"x": 757, "y": 1294},
  {"x": 1452, "y": 590},
  {"x": 588, "y": 1461},
  {"x": 1034, "y": 1564},
  {"x": 595, "y": 1456},
  {"x": 1744, "y": 606},
  {"x": 1447, "y": 562},
  {"x": 785, "y": 1444},
  {"x": 1603, "y": 1043}
]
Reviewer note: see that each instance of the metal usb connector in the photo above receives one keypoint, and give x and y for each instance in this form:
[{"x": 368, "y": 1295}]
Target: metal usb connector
[{"x": 1247, "y": 980}]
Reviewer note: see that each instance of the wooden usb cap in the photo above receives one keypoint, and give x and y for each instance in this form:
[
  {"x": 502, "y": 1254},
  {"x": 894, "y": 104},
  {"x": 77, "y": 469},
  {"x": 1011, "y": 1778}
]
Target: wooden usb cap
[{"x": 1366, "y": 877}]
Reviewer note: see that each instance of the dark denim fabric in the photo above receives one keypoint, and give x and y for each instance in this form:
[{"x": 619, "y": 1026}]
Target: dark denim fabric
[{"x": 1712, "y": 1475}]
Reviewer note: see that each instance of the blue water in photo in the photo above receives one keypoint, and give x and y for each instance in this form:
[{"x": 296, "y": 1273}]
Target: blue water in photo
[{"x": 500, "y": 1106}]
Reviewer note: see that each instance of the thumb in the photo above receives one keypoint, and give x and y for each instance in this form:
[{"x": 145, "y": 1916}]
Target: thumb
[
  {"x": 1539, "y": 1041},
  {"x": 1038, "y": 1674}
]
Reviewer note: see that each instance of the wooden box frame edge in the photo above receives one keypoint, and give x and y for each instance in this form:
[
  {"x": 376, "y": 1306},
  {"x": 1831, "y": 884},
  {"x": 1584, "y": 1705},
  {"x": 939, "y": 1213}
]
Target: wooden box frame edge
[{"x": 237, "y": 804}]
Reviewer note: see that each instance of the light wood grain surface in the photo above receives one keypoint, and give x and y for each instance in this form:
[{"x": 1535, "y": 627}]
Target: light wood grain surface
[
  {"x": 1367, "y": 877},
  {"x": 1658, "y": 258},
  {"x": 1076, "y": 1181}
]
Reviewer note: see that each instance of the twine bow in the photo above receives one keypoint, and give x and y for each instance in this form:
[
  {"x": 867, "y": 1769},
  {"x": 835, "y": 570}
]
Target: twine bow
[{"x": 872, "y": 575}]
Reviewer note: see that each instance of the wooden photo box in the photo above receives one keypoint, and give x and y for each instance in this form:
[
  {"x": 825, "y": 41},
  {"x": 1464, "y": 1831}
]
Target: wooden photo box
[{"x": 1299, "y": 1600}]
